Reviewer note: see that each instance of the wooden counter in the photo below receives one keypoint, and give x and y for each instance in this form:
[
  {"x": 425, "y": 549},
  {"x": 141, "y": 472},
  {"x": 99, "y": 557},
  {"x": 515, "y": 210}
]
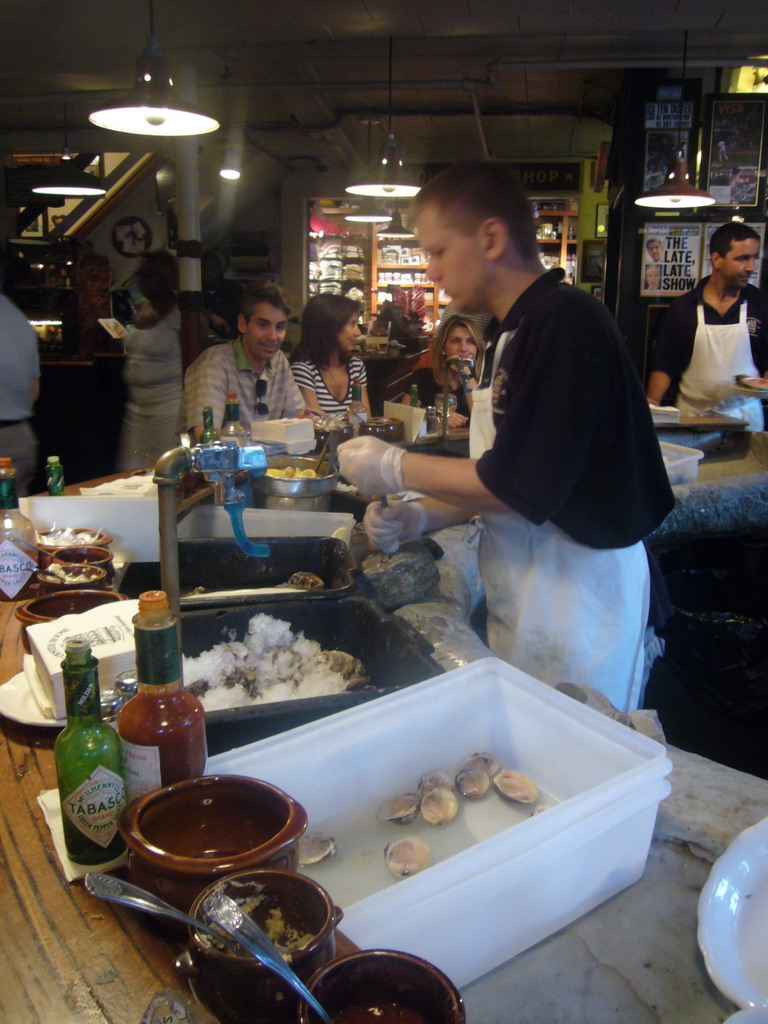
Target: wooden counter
[{"x": 67, "y": 958}]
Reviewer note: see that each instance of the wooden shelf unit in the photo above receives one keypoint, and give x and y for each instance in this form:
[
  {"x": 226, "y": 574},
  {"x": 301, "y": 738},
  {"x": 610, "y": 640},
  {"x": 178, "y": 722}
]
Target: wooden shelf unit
[
  {"x": 399, "y": 262},
  {"x": 564, "y": 223}
]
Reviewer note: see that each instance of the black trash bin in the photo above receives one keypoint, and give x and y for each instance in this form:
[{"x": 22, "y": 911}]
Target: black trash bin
[{"x": 717, "y": 641}]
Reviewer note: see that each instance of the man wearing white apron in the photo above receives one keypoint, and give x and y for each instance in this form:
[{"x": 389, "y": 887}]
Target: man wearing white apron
[
  {"x": 716, "y": 333},
  {"x": 565, "y": 469}
]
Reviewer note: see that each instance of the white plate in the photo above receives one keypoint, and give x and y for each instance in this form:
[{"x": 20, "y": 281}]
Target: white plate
[
  {"x": 18, "y": 704},
  {"x": 733, "y": 919}
]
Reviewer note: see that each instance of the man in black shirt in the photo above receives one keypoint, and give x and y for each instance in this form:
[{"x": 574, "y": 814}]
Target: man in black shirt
[
  {"x": 565, "y": 470},
  {"x": 714, "y": 333}
]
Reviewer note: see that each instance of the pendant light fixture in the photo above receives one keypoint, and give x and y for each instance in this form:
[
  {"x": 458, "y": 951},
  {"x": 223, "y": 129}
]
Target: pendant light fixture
[
  {"x": 386, "y": 179},
  {"x": 152, "y": 107},
  {"x": 367, "y": 212},
  {"x": 395, "y": 228},
  {"x": 677, "y": 192},
  {"x": 67, "y": 179}
]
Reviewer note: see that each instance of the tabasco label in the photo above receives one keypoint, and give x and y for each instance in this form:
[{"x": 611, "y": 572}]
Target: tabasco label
[
  {"x": 16, "y": 567},
  {"x": 95, "y": 805}
]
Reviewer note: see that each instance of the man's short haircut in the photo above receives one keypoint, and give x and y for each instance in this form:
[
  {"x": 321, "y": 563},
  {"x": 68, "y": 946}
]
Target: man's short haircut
[
  {"x": 471, "y": 191},
  {"x": 266, "y": 291},
  {"x": 722, "y": 240}
]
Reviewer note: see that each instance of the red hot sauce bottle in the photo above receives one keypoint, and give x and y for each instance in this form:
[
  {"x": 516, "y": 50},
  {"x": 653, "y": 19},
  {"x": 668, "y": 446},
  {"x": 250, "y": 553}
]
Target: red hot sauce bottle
[{"x": 162, "y": 728}]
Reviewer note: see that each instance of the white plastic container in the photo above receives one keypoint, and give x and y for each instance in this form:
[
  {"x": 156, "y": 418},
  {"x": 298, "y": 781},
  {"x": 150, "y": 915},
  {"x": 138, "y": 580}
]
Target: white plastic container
[
  {"x": 501, "y": 878},
  {"x": 214, "y": 521},
  {"x": 682, "y": 463}
]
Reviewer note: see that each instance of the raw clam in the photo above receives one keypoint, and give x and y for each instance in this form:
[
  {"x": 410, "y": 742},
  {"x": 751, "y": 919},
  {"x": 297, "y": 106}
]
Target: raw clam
[
  {"x": 516, "y": 786},
  {"x": 315, "y": 846},
  {"x": 401, "y": 809},
  {"x": 473, "y": 783},
  {"x": 306, "y": 581},
  {"x": 406, "y": 856},
  {"x": 439, "y": 805},
  {"x": 482, "y": 762},
  {"x": 434, "y": 779}
]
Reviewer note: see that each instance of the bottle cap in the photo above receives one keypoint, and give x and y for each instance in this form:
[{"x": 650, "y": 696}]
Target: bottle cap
[
  {"x": 5, "y": 462},
  {"x": 53, "y": 458},
  {"x": 77, "y": 645},
  {"x": 152, "y": 600},
  {"x": 231, "y": 396}
]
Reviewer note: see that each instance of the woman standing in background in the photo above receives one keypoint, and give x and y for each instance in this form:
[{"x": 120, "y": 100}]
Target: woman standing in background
[
  {"x": 322, "y": 363},
  {"x": 152, "y": 370}
]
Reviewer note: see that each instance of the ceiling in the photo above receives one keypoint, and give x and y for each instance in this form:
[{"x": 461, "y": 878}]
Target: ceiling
[{"x": 307, "y": 81}]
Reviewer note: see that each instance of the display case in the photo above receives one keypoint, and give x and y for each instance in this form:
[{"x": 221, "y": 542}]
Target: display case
[
  {"x": 401, "y": 263},
  {"x": 557, "y": 229},
  {"x": 338, "y": 253}
]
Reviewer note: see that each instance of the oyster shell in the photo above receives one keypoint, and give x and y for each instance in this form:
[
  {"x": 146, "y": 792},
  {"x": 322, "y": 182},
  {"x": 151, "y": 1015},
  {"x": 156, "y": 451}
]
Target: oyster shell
[
  {"x": 401, "y": 809},
  {"x": 305, "y": 580},
  {"x": 481, "y": 761},
  {"x": 350, "y": 667},
  {"x": 315, "y": 846},
  {"x": 473, "y": 783},
  {"x": 408, "y": 856},
  {"x": 516, "y": 786},
  {"x": 439, "y": 805},
  {"x": 433, "y": 780}
]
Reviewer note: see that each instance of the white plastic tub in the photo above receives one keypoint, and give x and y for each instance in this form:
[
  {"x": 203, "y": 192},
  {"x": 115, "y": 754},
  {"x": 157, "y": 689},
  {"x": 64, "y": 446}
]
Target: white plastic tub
[
  {"x": 682, "y": 463},
  {"x": 501, "y": 879}
]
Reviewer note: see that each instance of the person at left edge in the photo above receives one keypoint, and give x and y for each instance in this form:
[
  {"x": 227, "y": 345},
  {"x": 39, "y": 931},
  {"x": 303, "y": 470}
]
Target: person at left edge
[
  {"x": 19, "y": 388},
  {"x": 564, "y": 465},
  {"x": 252, "y": 367}
]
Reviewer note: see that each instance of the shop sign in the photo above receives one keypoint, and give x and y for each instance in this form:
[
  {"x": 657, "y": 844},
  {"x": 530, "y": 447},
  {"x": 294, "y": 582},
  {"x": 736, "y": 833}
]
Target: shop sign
[{"x": 553, "y": 176}]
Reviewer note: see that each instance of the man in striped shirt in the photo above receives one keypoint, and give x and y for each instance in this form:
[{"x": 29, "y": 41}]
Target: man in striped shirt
[{"x": 253, "y": 367}]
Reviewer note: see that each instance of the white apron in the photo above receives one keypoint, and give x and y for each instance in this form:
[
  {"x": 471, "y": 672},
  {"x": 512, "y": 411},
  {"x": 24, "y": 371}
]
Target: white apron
[
  {"x": 720, "y": 351},
  {"x": 559, "y": 610}
]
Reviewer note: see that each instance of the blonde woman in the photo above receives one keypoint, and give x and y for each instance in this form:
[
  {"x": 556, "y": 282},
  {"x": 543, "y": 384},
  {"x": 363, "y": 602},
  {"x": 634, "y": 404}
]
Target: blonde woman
[{"x": 458, "y": 338}]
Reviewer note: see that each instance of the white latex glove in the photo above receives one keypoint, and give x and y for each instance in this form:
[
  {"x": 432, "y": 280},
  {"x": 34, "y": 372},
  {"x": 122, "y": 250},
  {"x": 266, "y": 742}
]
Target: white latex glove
[
  {"x": 373, "y": 466},
  {"x": 388, "y": 526}
]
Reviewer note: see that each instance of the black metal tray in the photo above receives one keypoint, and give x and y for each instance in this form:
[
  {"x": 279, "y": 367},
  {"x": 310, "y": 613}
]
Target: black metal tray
[
  {"x": 394, "y": 654},
  {"x": 224, "y": 570}
]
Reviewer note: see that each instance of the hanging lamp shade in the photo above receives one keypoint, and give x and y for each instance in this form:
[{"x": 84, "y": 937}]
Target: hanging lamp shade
[
  {"x": 677, "y": 193},
  {"x": 152, "y": 107},
  {"x": 368, "y": 212},
  {"x": 68, "y": 180},
  {"x": 395, "y": 228},
  {"x": 386, "y": 180}
]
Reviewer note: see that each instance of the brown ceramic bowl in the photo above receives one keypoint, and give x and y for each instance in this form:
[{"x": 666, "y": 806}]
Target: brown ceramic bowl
[
  {"x": 48, "y": 607},
  {"x": 69, "y": 576},
  {"x": 387, "y": 429},
  {"x": 383, "y": 978},
  {"x": 183, "y": 837},
  {"x": 238, "y": 989},
  {"x": 86, "y": 554},
  {"x": 71, "y": 536}
]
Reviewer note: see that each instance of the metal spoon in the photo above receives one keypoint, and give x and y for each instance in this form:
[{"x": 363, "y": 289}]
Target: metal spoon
[
  {"x": 107, "y": 887},
  {"x": 225, "y": 913}
]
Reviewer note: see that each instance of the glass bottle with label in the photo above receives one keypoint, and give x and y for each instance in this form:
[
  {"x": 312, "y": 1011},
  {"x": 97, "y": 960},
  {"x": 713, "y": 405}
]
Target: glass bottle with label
[
  {"x": 54, "y": 474},
  {"x": 356, "y": 410},
  {"x": 415, "y": 400},
  {"x": 209, "y": 431},
  {"x": 162, "y": 728},
  {"x": 18, "y": 551},
  {"x": 88, "y": 764},
  {"x": 233, "y": 430}
]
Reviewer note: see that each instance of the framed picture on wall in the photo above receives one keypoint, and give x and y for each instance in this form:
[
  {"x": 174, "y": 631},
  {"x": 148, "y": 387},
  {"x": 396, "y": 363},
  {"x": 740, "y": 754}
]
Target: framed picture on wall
[
  {"x": 735, "y": 143},
  {"x": 593, "y": 262},
  {"x": 661, "y": 149},
  {"x": 671, "y": 258}
]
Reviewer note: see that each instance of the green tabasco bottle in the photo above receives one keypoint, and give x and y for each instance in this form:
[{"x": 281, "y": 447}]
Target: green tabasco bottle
[
  {"x": 415, "y": 400},
  {"x": 162, "y": 728},
  {"x": 18, "y": 553},
  {"x": 54, "y": 473},
  {"x": 209, "y": 431},
  {"x": 88, "y": 764}
]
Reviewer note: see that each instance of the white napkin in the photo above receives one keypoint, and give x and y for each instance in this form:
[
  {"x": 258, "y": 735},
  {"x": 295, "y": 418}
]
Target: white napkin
[
  {"x": 36, "y": 687},
  {"x": 132, "y": 486},
  {"x": 49, "y": 802}
]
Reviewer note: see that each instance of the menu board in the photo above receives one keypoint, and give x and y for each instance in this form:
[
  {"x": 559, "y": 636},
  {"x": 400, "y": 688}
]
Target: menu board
[{"x": 671, "y": 262}]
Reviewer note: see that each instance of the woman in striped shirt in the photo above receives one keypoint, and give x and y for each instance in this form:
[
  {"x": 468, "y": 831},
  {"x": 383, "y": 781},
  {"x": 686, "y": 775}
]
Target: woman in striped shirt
[{"x": 322, "y": 363}]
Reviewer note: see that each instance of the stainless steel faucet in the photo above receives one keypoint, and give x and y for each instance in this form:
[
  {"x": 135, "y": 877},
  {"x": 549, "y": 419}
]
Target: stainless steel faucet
[{"x": 219, "y": 462}]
